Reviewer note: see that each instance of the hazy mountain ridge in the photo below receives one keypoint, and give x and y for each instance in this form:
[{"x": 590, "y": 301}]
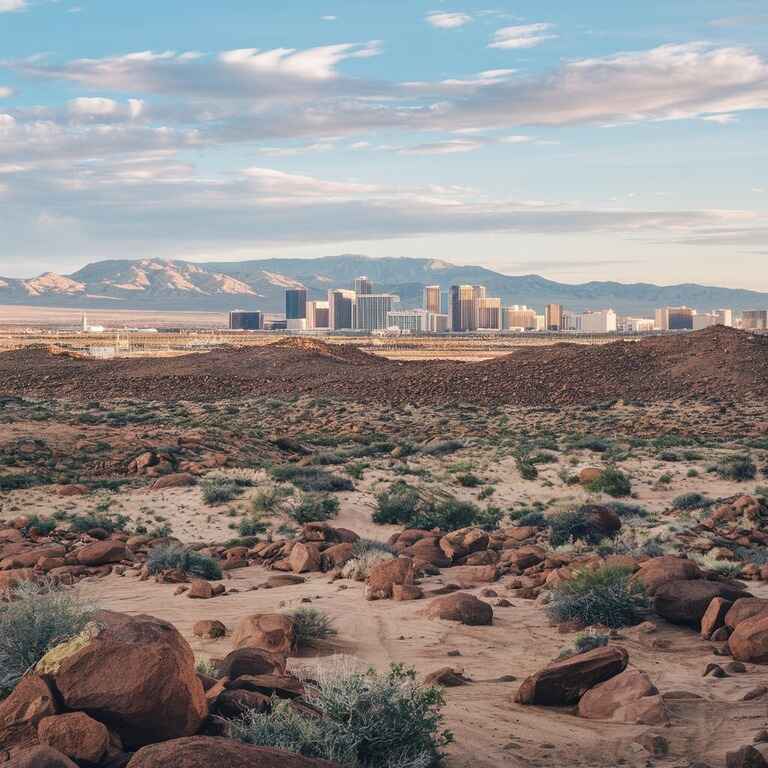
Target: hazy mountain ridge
[{"x": 260, "y": 284}]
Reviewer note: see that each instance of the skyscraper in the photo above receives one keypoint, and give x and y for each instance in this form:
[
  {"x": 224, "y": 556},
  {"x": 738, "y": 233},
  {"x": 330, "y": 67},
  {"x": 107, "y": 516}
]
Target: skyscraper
[
  {"x": 340, "y": 303},
  {"x": 553, "y": 317},
  {"x": 465, "y": 302},
  {"x": 240, "y": 320},
  {"x": 674, "y": 319},
  {"x": 317, "y": 314},
  {"x": 431, "y": 300},
  {"x": 363, "y": 286},
  {"x": 489, "y": 313},
  {"x": 372, "y": 310},
  {"x": 295, "y": 303}
]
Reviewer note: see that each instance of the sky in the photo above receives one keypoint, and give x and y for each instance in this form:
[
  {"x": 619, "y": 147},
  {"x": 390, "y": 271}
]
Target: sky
[{"x": 581, "y": 141}]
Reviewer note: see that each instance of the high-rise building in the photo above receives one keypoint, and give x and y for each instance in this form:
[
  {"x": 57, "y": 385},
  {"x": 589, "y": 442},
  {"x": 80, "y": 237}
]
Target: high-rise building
[
  {"x": 518, "y": 318},
  {"x": 317, "y": 314},
  {"x": 240, "y": 320},
  {"x": 599, "y": 321},
  {"x": 635, "y": 324},
  {"x": 371, "y": 310},
  {"x": 724, "y": 317},
  {"x": 417, "y": 321},
  {"x": 445, "y": 303},
  {"x": 553, "y": 317},
  {"x": 363, "y": 286},
  {"x": 703, "y": 320},
  {"x": 489, "y": 314},
  {"x": 431, "y": 300},
  {"x": 340, "y": 304},
  {"x": 674, "y": 319},
  {"x": 295, "y": 303},
  {"x": 464, "y": 306},
  {"x": 754, "y": 319}
]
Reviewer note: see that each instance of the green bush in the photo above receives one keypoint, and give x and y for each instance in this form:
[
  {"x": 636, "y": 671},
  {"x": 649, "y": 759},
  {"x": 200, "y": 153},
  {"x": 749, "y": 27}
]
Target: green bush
[
  {"x": 488, "y": 519},
  {"x": 613, "y": 482},
  {"x": 469, "y": 480},
  {"x": 219, "y": 490},
  {"x": 448, "y": 515},
  {"x": 36, "y": 618},
  {"x": 527, "y": 470},
  {"x": 314, "y": 508},
  {"x": 43, "y": 525},
  {"x": 397, "y": 505},
  {"x": 739, "y": 468},
  {"x": 88, "y": 521},
  {"x": 605, "y": 596},
  {"x": 573, "y": 525},
  {"x": 251, "y": 526},
  {"x": 367, "y": 720},
  {"x": 176, "y": 557},
  {"x": 363, "y": 546},
  {"x": 691, "y": 501},
  {"x": 270, "y": 500},
  {"x": 531, "y": 518},
  {"x": 441, "y": 447},
  {"x": 311, "y": 479},
  {"x": 311, "y": 625}
]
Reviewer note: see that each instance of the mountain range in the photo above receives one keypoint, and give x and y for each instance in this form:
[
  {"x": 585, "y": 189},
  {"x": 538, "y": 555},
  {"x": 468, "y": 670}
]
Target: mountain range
[{"x": 260, "y": 284}]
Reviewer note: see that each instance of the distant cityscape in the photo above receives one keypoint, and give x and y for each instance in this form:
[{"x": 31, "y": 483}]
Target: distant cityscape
[{"x": 468, "y": 309}]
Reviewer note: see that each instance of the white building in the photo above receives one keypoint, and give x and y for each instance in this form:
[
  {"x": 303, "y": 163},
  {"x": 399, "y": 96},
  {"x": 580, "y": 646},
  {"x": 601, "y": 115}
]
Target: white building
[
  {"x": 636, "y": 324},
  {"x": 724, "y": 317},
  {"x": 519, "y": 318},
  {"x": 417, "y": 321},
  {"x": 600, "y": 321},
  {"x": 703, "y": 320}
]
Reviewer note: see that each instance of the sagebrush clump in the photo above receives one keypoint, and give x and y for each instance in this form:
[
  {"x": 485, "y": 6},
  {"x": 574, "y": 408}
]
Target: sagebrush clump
[
  {"x": 367, "y": 720},
  {"x": 311, "y": 625},
  {"x": 177, "y": 557}
]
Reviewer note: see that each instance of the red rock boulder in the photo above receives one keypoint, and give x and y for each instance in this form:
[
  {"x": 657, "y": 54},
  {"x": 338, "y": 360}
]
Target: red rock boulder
[
  {"x": 629, "y": 697},
  {"x": 76, "y": 735},
  {"x": 271, "y": 632},
  {"x": 462, "y": 607}
]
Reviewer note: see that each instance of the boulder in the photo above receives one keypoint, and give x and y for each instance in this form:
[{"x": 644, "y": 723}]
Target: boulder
[
  {"x": 745, "y": 608},
  {"x": 271, "y": 632},
  {"x": 384, "y": 575},
  {"x": 304, "y": 557},
  {"x": 461, "y": 607},
  {"x": 686, "y": 602},
  {"x": 76, "y": 735},
  {"x": 749, "y": 641},
  {"x": 746, "y": 757},
  {"x": 250, "y": 661},
  {"x": 200, "y": 589},
  {"x": 39, "y": 757},
  {"x": 463, "y": 542},
  {"x": 589, "y": 475},
  {"x": 31, "y": 701},
  {"x": 563, "y": 683},
  {"x": 103, "y": 553},
  {"x": 601, "y": 518},
  {"x": 136, "y": 675},
  {"x": 207, "y": 751},
  {"x": 14, "y": 577},
  {"x": 629, "y": 697},
  {"x": 209, "y": 628},
  {"x": 658, "y": 571},
  {"x": 714, "y": 616},
  {"x": 336, "y": 556},
  {"x": 474, "y": 574}
]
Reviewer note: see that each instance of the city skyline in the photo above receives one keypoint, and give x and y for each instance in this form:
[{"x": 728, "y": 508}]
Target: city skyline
[{"x": 574, "y": 142}]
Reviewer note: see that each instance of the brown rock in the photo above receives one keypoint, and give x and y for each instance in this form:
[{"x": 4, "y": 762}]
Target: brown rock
[
  {"x": 336, "y": 556},
  {"x": 175, "y": 480},
  {"x": 474, "y": 574},
  {"x": 39, "y": 757},
  {"x": 746, "y": 757},
  {"x": 156, "y": 694},
  {"x": 564, "y": 682},
  {"x": 251, "y": 661},
  {"x": 199, "y": 589},
  {"x": 72, "y": 489},
  {"x": 402, "y": 592},
  {"x": 20, "y": 714},
  {"x": 589, "y": 475},
  {"x": 206, "y": 751},
  {"x": 461, "y": 607},
  {"x": 210, "y": 628},
  {"x": 463, "y": 542},
  {"x": 103, "y": 553},
  {"x": 272, "y": 632},
  {"x": 714, "y": 617},
  {"x": 76, "y": 735},
  {"x": 686, "y": 602},
  {"x": 304, "y": 557},
  {"x": 629, "y": 697},
  {"x": 749, "y": 641},
  {"x": 447, "y": 677},
  {"x": 660, "y": 570},
  {"x": 384, "y": 575},
  {"x": 14, "y": 577},
  {"x": 745, "y": 608}
]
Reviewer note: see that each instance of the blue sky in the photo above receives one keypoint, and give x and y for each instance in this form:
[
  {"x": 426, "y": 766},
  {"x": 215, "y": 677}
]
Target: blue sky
[{"x": 582, "y": 141}]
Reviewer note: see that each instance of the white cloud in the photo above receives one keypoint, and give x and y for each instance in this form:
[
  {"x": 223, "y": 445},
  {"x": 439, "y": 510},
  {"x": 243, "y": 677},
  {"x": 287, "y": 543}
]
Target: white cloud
[
  {"x": 93, "y": 106},
  {"x": 328, "y": 18},
  {"x": 443, "y": 20},
  {"x": 6, "y": 6},
  {"x": 449, "y": 147},
  {"x": 724, "y": 119},
  {"x": 5, "y": 92},
  {"x": 523, "y": 36}
]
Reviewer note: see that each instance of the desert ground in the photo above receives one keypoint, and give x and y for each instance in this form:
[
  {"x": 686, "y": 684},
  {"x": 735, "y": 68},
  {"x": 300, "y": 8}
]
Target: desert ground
[{"x": 223, "y": 476}]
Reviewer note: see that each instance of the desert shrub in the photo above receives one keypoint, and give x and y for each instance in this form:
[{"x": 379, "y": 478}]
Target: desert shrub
[
  {"x": 592, "y": 443},
  {"x": 488, "y": 519},
  {"x": 314, "y": 508},
  {"x": 397, "y": 505},
  {"x": 727, "y": 568},
  {"x": 441, "y": 447},
  {"x": 270, "y": 500},
  {"x": 363, "y": 546},
  {"x": 357, "y": 469},
  {"x": 527, "y": 470},
  {"x": 542, "y": 457},
  {"x": 668, "y": 456},
  {"x": 358, "y": 568},
  {"x": 311, "y": 625},
  {"x": 572, "y": 525},
  {"x": 15, "y": 482},
  {"x": 251, "y": 526},
  {"x": 368, "y": 720},
  {"x": 448, "y": 515},
  {"x": 613, "y": 482},
  {"x": 36, "y": 618},
  {"x": 531, "y": 518},
  {"x": 753, "y": 556},
  {"x": 605, "y": 596},
  {"x": 583, "y": 643},
  {"x": 311, "y": 479},
  {"x": 88, "y": 521},
  {"x": 486, "y": 493},
  {"x": 691, "y": 501},
  {"x": 469, "y": 480},
  {"x": 739, "y": 468},
  {"x": 627, "y": 510},
  {"x": 43, "y": 525},
  {"x": 176, "y": 557},
  {"x": 219, "y": 490}
]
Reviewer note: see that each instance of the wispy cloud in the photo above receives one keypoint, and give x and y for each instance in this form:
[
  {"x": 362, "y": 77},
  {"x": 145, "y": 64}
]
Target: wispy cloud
[
  {"x": 739, "y": 21},
  {"x": 523, "y": 36},
  {"x": 449, "y": 147},
  {"x": 5, "y": 92},
  {"x": 447, "y": 20},
  {"x": 6, "y": 6}
]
